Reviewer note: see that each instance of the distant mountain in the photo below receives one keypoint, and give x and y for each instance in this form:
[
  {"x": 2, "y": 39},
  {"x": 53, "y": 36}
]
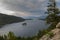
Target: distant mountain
[
  {"x": 36, "y": 17},
  {"x": 8, "y": 19},
  {"x": 42, "y": 18},
  {"x": 31, "y": 17}
]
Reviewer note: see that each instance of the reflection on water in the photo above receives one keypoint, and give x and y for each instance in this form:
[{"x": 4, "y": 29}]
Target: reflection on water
[{"x": 32, "y": 27}]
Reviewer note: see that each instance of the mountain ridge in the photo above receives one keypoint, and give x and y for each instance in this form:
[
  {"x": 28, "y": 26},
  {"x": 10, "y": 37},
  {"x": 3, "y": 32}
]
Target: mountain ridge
[{"x": 8, "y": 19}]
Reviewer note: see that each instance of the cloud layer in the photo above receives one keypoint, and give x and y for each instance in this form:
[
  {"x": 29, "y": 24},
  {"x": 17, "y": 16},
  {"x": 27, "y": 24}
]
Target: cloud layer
[{"x": 33, "y": 7}]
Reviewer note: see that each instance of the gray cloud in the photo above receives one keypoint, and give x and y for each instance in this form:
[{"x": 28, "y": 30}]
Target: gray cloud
[{"x": 31, "y": 6}]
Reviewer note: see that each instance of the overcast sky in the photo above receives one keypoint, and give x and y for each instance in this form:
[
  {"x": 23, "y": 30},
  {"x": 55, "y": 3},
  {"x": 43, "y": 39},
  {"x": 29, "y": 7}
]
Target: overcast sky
[{"x": 24, "y": 7}]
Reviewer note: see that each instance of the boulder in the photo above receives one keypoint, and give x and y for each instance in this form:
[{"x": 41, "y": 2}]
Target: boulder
[{"x": 58, "y": 25}]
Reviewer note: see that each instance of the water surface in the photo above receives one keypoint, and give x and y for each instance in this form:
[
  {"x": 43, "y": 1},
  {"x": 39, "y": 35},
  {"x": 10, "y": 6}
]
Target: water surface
[{"x": 31, "y": 29}]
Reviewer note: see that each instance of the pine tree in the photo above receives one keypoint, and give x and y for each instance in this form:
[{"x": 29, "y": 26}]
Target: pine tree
[{"x": 53, "y": 13}]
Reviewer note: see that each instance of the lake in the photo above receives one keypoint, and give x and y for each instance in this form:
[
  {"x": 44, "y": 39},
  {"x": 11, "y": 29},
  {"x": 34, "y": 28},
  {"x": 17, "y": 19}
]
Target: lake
[{"x": 31, "y": 29}]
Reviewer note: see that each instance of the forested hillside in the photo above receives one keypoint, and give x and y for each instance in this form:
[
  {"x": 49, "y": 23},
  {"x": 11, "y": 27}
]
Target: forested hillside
[{"x": 8, "y": 19}]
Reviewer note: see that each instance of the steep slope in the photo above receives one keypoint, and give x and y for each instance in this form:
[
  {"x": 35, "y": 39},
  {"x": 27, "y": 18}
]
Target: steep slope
[
  {"x": 54, "y": 36},
  {"x": 8, "y": 19}
]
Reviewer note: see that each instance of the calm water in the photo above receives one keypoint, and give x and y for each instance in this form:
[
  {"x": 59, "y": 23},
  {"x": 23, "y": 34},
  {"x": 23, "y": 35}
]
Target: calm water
[{"x": 32, "y": 28}]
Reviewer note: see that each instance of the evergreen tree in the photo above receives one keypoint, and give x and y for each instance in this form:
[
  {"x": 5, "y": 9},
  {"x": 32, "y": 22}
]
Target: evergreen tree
[
  {"x": 11, "y": 36},
  {"x": 53, "y": 13}
]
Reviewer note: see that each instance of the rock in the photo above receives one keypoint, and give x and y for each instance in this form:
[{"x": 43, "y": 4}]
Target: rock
[
  {"x": 58, "y": 25},
  {"x": 56, "y": 36},
  {"x": 56, "y": 33}
]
